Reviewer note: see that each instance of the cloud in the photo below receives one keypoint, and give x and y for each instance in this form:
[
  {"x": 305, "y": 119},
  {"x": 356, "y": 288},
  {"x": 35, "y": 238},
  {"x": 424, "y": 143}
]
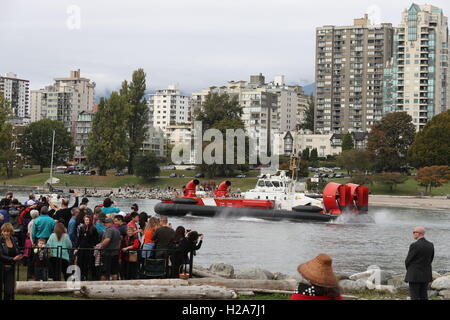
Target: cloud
[{"x": 195, "y": 43}]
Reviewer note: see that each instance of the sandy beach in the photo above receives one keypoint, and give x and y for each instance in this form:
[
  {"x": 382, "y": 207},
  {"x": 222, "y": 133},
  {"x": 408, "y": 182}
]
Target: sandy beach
[{"x": 435, "y": 203}]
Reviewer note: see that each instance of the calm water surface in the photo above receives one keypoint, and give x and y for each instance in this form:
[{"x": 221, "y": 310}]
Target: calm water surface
[{"x": 280, "y": 246}]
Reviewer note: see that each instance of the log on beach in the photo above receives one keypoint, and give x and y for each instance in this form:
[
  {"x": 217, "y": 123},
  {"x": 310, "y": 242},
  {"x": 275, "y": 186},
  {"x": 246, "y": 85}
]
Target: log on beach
[
  {"x": 119, "y": 291},
  {"x": 34, "y": 287}
]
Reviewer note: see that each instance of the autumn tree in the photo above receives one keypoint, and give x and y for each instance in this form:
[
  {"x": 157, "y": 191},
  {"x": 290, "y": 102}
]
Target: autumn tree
[
  {"x": 389, "y": 141},
  {"x": 434, "y": 176}
]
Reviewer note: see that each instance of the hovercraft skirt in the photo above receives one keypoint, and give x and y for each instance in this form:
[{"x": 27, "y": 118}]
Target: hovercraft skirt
[{"x": 173, "y": 209}]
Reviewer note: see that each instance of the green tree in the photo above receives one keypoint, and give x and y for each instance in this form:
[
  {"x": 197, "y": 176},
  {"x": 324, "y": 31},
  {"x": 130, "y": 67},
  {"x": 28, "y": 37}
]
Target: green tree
[
  {"x": 391, "y": 179},
  {"x": 147, "y": 165},
  {"x": 303, "y": 171},
  {"x": 108, "y": 142},
  {"x": 134, "y": 93},
  {"x": 347, "y": 142},
  {"x": 36, "y": 143},
  {"x": 389, "y": 141},
  {"x": 305, "y": 154},
  {"x": 354, "y": 161},
  {"x": 314, "y": 157},
  {"x": 220, "y": 112},
  {"x": 8, "y": 140},
  {"x": 432, "y": 144},
  {"x": 308, "y": 124}
]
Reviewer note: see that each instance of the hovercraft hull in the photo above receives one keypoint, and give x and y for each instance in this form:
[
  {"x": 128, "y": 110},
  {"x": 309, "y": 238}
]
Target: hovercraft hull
[{"x": 174, "y": 209}]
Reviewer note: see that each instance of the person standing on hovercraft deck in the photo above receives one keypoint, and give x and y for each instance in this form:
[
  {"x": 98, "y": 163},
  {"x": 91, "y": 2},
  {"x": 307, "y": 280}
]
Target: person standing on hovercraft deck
[{"x": 418, "y": 265}]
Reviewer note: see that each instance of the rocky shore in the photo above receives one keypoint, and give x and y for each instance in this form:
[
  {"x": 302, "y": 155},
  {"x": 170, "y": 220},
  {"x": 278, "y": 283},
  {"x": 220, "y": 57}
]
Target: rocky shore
[
  {"x": 372, "y": 281},
  {"x": 434, "y": 203}
]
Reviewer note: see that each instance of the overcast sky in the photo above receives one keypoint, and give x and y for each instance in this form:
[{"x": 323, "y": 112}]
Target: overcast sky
[{"x": 192, "y": 43}]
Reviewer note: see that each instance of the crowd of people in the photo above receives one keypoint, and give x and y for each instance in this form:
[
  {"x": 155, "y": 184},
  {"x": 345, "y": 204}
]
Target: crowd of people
[{"x": 104, "y": 242}]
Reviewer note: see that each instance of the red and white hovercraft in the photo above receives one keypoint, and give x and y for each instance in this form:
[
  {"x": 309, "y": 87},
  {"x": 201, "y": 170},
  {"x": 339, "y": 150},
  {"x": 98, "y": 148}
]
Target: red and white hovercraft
[{"x": 273, "y": 199}]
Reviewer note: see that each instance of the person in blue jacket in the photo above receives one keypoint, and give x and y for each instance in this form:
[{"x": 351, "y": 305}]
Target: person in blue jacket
[{"x": 43, "y": 226}]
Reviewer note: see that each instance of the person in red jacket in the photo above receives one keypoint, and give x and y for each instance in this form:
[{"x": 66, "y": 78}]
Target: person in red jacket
[
  {"x": 323, "y": 283},
  {"x": 128, "y": 255}
]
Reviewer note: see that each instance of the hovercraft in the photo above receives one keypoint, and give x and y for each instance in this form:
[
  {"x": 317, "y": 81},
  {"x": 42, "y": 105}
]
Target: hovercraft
[{"x": 272, "y": 203}]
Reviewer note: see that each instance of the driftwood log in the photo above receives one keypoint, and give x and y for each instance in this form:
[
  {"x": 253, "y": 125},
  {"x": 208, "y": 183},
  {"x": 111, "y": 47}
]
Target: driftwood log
[
  {"x": 34, "y": 287},
  {"x": 118, "y": 291}
]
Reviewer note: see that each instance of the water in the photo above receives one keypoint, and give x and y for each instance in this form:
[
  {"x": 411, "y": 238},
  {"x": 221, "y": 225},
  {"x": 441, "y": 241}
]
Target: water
[{"x": 383, "y": 239}]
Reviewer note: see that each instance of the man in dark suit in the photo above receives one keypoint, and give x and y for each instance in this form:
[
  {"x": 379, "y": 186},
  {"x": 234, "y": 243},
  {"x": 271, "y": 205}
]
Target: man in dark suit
[{"x": 418, "y": 265}]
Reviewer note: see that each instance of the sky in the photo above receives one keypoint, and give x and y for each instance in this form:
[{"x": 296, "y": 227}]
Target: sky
[{"x": 190, "y": 43}]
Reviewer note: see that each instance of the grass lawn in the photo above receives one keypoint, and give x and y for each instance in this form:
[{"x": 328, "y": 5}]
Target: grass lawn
[{"x": 32, "y": 177}]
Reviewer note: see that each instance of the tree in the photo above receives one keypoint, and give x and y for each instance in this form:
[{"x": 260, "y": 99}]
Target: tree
[
  {"x": 303, "y": 171},
  {"x": 36, "y": 143},
  {"x": 308, "y": 124},
  {"x": 220, "y": 112},
  {"x": 305, "y": 154},
  {"x": 147, "y": 165},
  {"x": 389, "y": 141},
  {"x": 8, "y": 155},
  {"x": 391, "y": 179},
  {"x": 361, "y": 179},
  {"x": 314, "y": 157},
  {"x": 347, "y": 142},
  {"x": 354, "y": 160},
  {"x": 134, "y": 93},
  {"x": 432, "y": 144},
  {"x": 108, "y": 142},
  {"x": 434, "y": 176}
]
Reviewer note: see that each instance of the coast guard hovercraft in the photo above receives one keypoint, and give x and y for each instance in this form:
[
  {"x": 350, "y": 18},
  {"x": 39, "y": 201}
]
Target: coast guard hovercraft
[{"x": 273, "y": 198}]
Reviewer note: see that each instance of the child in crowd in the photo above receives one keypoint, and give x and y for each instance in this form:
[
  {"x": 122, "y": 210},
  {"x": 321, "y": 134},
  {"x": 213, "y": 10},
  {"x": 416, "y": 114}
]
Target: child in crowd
[{"x": 41, "y": 256}]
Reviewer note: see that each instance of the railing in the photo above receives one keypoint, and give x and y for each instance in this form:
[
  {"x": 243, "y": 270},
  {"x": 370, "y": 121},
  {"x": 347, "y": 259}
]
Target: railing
[{"x": 89, "y": 264}]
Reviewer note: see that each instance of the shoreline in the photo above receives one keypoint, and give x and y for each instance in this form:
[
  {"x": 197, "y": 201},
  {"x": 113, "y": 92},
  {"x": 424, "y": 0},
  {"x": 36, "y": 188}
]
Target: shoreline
[
  {"x": 393, "y": 201},
  {"x": 410, "y": 202}
]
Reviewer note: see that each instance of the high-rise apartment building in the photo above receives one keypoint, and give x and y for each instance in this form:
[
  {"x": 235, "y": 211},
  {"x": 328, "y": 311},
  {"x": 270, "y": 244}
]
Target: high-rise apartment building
[
  {"x": 350, "y": 62},
  {"x": 63, "y": 100},
  {"x": 16, "y": 91},
  {"x": 168, "y": 107},
  {"x": 417, "y": 80},
  {"x": 268, "y": 108}
]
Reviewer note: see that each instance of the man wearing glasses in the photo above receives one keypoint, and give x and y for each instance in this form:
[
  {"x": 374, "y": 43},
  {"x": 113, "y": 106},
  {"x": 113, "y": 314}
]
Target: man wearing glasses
[{"x": 418, "y": 265}]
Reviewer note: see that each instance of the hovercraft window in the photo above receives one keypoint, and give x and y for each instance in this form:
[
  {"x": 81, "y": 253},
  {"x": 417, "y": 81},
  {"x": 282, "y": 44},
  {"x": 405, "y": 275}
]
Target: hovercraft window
[
  {"x": 276, "y": 184},
  {"x": 260, "y": 183},
  {"x": 269, "y": 184}
]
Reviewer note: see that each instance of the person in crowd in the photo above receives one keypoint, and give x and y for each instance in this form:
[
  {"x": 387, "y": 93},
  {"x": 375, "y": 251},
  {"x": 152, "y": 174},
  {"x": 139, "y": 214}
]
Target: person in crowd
[
  {"x": 121, "y": 225},
  {"x": 43, "y": 226},
  {"x": 59, "y": 257},
  {"x": 100, "y": 224},
  {"x": 322, "y": 282},
  {"x": 109, "y": 208},
  {"x": 129, "y": 257},
  {"x": 143, "y": 218},
  {"x": 111, "y": 248},
  {"x": 134, "y": 208},
  {"x": 24, "y": 220},
  {"x": 28, "y": 251},
  {"x": 163, "y": 237},
  {"x": 9, "y": 256},
  {"x": 418, "y": 265},
  {"x": 149, "y": 244},
  {"x": 87, "y": 239},
  {"x": 2, "y": 219},
  {"x": 4, "y": 210},
  {"x": 134, "y": 223},
  {"x": 183, "y": 246},
  {"x": 65, "y": 213},
  {"x": 14, "y": 218},
  {"x": 85, "y": 203},
  {"x": 31, "y": 200},
  {"x": 72, "y": 226},
  {"x": 41, "y": 256}
]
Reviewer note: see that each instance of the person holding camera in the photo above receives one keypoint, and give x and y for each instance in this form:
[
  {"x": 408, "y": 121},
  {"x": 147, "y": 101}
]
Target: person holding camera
[{"x": 192, "y": 242}]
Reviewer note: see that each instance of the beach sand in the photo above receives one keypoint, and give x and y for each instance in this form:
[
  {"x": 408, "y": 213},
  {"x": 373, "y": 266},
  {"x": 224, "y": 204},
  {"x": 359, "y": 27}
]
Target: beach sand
[{"x": 435, "y": 203}]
